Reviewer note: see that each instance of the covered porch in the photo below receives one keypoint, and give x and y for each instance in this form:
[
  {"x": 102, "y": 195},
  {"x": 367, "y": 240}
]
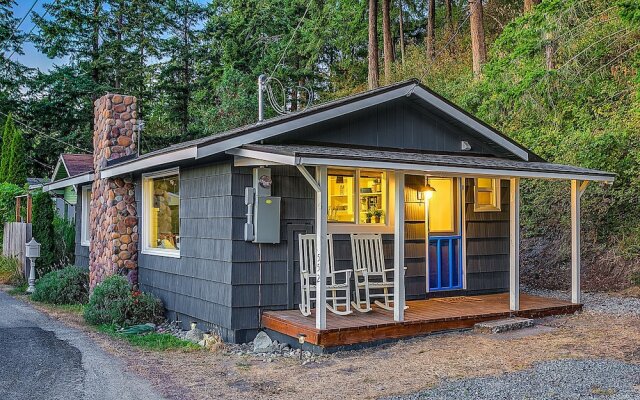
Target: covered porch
[{"x": 418, "y": 317}]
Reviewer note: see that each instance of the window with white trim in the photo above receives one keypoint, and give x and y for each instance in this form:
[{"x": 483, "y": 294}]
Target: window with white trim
[
  {"x": 357, "y": 196},
  {"x": 161, "y": 213},
  {"x": 486, "y": 194},
  {"x": 85, "y": 226}
]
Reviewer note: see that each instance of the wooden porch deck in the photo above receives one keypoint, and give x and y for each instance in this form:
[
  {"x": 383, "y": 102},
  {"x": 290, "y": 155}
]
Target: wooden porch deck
[{"x": 422, "y": 317}]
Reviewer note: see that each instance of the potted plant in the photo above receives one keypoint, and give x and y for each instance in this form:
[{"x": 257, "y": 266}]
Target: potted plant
[
  {"x": 369, "y": 214},
  {"x": 378, "y": 214}
]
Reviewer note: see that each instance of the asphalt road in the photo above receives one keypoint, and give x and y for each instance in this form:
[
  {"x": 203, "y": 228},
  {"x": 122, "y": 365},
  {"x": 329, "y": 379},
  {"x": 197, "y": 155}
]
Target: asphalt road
[{"x": 41, "y": 358}]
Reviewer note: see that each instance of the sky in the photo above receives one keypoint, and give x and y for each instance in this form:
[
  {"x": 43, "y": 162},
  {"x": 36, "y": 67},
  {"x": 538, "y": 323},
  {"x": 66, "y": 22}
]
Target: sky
[{"x": 32, "y": 57}]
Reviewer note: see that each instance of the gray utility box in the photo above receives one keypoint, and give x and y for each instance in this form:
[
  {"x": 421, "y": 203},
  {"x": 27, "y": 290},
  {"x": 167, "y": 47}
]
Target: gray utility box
[{"x": 267, "y": 219}]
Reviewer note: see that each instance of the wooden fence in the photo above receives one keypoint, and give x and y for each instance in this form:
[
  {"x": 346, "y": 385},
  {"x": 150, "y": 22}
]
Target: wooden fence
[{"x": 16, "y": 236}]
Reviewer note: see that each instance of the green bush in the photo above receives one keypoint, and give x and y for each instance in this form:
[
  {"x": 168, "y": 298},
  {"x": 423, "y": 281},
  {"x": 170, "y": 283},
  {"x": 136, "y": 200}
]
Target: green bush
[
  {"x": 113, "y": 302},
  {"x": 44, "y": 233},
  {"x": 69, "y": 285},
  {"x": 65, "y": 246},
  {"x": 10, "y": 271}
]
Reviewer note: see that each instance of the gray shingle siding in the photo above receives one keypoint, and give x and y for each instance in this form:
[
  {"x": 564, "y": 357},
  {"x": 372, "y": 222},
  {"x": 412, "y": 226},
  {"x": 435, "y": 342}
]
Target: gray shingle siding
[{"x": 196, "y": 286}]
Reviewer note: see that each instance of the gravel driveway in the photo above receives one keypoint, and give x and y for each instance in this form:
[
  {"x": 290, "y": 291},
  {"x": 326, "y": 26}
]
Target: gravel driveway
[
  {"x": 43, "y": 359},
  {"x": 562, "y": 379}
]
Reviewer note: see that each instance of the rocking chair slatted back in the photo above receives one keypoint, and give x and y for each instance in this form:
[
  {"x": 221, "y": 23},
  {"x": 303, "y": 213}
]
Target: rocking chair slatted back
[
  {"x": 307, "y": 248},
  {"x": 368, "y": 253}
]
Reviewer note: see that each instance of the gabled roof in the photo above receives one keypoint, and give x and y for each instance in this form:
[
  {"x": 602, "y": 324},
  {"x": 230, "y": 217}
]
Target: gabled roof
[
  {"x": 70, "y": 165},
  {"x": 441, "y": 164},
  {"x": 252, "y": 133}
]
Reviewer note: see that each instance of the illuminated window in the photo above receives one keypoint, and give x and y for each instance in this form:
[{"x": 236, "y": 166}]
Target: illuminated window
[
  {"x": 442, "y": 206},
  {"x": 341, "y": 190},
  {"x": 357, "y": 196},
  {"x": 161, "y": 208},
  {"x": 487, "y": 194},
  {"x": 86, "y": 210}
]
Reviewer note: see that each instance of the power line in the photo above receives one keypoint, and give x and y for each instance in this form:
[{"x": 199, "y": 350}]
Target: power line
[
  {"x": 47, "y": 135},
  {"x": 13, "y": 34},
  {"x": 284, "y": 52},
  {"x": 31, "y": 30}
]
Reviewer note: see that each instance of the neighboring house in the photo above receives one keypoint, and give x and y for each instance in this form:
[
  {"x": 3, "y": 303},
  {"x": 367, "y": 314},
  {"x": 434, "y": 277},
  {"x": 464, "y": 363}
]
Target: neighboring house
[
  {"x": 69, "y": 166},
  {"x": 174, "y": 219}
]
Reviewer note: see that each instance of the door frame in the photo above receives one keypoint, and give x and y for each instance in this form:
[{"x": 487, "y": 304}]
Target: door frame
[{"x": 462, "y": 252}]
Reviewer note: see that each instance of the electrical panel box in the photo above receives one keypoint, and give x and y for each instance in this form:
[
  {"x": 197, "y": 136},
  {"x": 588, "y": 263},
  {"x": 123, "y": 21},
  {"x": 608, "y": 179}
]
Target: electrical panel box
[{"x": 267, "y": 220}]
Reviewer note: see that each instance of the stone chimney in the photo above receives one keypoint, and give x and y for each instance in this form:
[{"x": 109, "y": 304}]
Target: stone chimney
[{"x": 113, "y": 247}]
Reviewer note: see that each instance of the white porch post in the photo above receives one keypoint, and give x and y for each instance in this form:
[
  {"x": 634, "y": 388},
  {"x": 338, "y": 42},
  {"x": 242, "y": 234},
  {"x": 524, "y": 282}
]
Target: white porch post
[
  {"x": 577, "y": 189},
  {"x": 514, "y": 244},
  {"x": 322, "y": 256},
  {"x": 398, "y": 250}
]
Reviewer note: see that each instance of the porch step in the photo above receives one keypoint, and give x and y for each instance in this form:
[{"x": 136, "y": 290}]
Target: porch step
[{"x": 502, "y": 325}]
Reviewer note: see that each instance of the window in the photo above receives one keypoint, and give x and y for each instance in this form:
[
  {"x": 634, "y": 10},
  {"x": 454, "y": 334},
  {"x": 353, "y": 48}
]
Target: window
[
  {"x": 442, "y": 206},
  {"x": 85, "y": 236},
  {"x": 161, "y": 213},
  {"x": 357, "y": 196},
  {"x": 487, "y": 194}
]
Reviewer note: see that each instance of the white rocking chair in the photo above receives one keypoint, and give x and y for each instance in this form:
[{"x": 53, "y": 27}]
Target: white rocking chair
[
  {"x": 370, "y": 273},
  {"x": 340, "y": 305}
]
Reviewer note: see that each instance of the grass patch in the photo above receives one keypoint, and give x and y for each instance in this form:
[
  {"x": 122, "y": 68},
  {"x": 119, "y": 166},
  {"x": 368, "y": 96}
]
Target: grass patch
[
  {"x": 150, "y": 341},
  {"x": 18, "y": 290}
]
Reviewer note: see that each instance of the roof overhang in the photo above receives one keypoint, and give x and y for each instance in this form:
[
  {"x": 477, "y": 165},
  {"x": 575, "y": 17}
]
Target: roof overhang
[
  {"x": 183, "y": 154},
  {"x": 71, "y": 181},
  {"x": 257, "y": 157}
]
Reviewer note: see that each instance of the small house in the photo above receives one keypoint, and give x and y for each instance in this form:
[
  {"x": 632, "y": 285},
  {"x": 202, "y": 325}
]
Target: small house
[{"x": 416, "y": 199}]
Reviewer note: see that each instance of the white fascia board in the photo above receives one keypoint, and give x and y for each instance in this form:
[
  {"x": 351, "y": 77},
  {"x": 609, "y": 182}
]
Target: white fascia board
[
  {"x": 57, "y": 168},
  {"x": 149, "y": 162},
  {"x": 61, "y": 184},
  {"x": 470, "y": 122},
  {"x": 452, "y": 171},
  {"x": 261, "y": 134},
  {"x": 260, "y": 157}
]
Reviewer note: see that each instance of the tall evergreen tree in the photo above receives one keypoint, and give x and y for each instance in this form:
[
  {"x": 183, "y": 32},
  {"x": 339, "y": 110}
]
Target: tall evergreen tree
[
  {"x": 17, "y": 171},
  {"x": 12, "y": 73},
  {"x": 7, "y": 139},
  {"x": 373, "y": 76}
]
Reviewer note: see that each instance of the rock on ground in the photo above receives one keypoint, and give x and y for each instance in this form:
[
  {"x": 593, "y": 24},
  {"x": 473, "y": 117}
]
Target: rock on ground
[{"x": 262, "y": 343}]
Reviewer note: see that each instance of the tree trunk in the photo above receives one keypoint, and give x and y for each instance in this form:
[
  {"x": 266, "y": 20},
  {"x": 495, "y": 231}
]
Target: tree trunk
[
  {"x": 479, "y": 51},
  {"x": 387, "y": 40},
  {"x": 529, "y": 4},
  {"x": 549, "y": 51},
  {"x": 373, "y": 76},
  {"x": 401, "y": 26},
  {"x": 448, "y": 14},
  {"x": 186, "y": 88},
  {"x": 431, "y": 30}
]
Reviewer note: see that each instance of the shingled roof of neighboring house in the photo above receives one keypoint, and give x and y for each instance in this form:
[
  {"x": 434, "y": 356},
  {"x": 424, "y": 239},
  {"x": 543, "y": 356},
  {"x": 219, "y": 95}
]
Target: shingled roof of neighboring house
[{"x": 72, "y": 165}]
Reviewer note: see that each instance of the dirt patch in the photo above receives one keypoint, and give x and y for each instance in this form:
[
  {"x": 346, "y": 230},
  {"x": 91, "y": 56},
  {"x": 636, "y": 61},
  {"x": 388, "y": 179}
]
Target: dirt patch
[{"x": 403, "y": 367}]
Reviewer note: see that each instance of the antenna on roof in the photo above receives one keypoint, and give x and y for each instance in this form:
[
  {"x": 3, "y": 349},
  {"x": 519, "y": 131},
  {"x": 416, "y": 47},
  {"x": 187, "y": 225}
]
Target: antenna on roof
[{"x": 282, "y": 106}]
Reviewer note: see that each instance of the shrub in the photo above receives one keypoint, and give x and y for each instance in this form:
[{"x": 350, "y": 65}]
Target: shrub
[
  {"x": 69, "y": 285},
  {"x": 65, "y": 246},
  {"x": 11, "y": 271},
  {"x": 113, "y": 302},
  {"x": 635, "y": 278},
  {"x": 43, "y": 231}
]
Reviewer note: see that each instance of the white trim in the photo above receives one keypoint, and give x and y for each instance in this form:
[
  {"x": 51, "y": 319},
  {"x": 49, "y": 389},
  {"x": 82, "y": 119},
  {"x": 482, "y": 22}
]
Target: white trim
[
  {"x": 75, "y": 180},
  {"x": 463, "y": 228},
  {"x": 450, "y": 171},
  {"x": 514, "y": 244},
  {"x": 149, "y": 162},
  {"x": 398, "y": 250},
  {"x": 303, "y": 121},
  {"x": 322, "y": 253},
  {"x": 576, "y": 192},
  {"x": 259, "y": 155},
  {"x": 57, "y": 168},
  {"x": 145, "y": 249},
  {"x": 85, "y": 228},
  {"x": 239, "y": 161},
  {"x": 470, "y": 122}
]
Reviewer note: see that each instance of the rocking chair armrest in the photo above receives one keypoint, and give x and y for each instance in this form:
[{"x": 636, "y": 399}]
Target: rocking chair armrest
[
  {"x": 347, "y": 272},
  {"x": 362, "y": 271},
  {"x": 392, "y": 269}
]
